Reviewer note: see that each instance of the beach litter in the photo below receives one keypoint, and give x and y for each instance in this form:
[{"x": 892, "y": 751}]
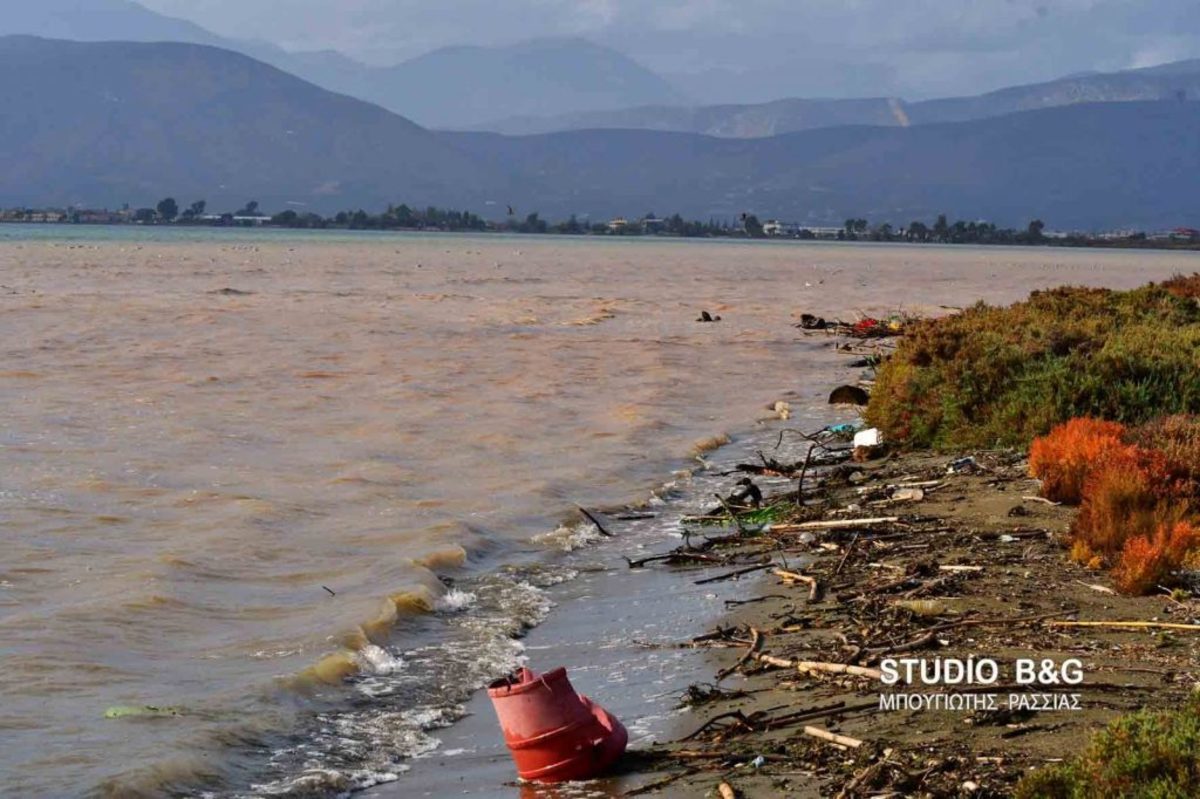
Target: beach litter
[{"x": 553, "y": 733}]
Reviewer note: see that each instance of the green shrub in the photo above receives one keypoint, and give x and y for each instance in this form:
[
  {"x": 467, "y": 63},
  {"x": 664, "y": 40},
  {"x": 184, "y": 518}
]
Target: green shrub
[
  {"x": 1001, "y": 376},
  {"x": 1143, "y": 755}
]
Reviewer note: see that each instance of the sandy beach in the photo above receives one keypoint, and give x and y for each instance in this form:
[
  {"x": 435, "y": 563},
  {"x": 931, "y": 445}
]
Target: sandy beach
[{"x": 971, "y": 571}]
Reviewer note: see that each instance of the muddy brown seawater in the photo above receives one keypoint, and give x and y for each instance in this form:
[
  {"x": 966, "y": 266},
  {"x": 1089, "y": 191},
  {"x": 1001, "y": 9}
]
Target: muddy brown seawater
[{"x": 234, "y": 466}]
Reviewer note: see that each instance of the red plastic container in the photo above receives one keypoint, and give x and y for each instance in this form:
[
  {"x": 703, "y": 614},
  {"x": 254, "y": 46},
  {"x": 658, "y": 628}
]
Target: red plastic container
[{"x": 555, "y": 734}]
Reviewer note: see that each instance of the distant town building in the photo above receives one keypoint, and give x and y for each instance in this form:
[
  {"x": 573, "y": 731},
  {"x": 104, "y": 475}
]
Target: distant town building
[
  {"x": 1176, "y": 234},
  {"x": 618, "y": 225},
  {"x": 652, "y": 224}
]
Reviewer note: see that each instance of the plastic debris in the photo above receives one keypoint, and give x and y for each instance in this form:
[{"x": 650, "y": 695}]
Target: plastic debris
[
  {"x": 553, "y": 733},
  {"x": 868, "y": 438},
  {"x": 963, "y": 466}
]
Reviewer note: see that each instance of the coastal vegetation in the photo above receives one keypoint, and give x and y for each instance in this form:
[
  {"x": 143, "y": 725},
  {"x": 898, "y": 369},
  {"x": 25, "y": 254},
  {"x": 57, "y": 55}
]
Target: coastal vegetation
[
  {"x": 1101, "y": 388},
  {"x": 1149, "y": 754},
  {"x": 1136, "y": 493},
  {"x": 1003, "y": 376},
  {"x": 1099, "y": 385}
]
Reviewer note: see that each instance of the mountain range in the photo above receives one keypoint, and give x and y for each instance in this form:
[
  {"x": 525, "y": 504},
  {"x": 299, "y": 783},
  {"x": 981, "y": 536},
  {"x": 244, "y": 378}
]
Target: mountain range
[
  {"x": 552, "y": 85},
  {"x": 448, "y": 87},
  {"x": 1176, "y": 81},
  {"x": 103, "y": 123},
  {"x": 100, "y": 124}
]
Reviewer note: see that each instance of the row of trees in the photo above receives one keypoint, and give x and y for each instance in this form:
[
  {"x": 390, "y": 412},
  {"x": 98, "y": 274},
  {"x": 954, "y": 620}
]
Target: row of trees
[
  {"x": 168, "y": 210},
  {"x": 943, "y": 232},
  {"x": 404, "y": 217}
]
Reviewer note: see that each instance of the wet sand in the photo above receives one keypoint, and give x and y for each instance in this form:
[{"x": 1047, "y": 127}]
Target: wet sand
[{"x": 235, "y": 469}]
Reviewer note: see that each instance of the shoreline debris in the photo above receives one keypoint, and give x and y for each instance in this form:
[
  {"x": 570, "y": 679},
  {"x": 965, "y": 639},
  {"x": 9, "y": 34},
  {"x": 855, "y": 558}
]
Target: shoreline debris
[{"x": 553, "y": 733}]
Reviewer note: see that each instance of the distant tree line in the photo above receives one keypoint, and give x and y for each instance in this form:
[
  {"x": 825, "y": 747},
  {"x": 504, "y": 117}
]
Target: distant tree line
[
  {"x": 943, "y": 232},
  {"x": 405, "y": 217}
]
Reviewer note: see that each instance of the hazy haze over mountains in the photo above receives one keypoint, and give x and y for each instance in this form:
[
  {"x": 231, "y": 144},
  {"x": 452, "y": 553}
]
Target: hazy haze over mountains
[
  {"x": 448, "y": 87},
  {"x": 750, "y": 51}
]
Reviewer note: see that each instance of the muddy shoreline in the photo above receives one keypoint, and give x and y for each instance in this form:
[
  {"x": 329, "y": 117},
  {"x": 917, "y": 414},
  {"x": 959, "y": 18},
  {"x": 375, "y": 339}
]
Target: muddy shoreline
[{"x": 967, "y": 567}]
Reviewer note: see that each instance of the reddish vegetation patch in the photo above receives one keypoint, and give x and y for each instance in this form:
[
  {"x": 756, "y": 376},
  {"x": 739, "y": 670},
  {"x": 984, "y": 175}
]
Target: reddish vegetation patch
[
  {"x": 1178, "y": 439},
  {"x": 1135, "y": 490},
  {"x": 1063, "y": 458},
  {"x": 1184, "y": 285},
  {"x": 1148, "y": 561},
  {"x": 1126, "y": 494}
]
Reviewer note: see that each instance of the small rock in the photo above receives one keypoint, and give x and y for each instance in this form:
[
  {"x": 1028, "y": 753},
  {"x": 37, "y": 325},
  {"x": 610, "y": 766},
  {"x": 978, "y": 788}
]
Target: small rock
[
  {"x": 810, "y": 322},
  {"x": 849, "y": 395}
]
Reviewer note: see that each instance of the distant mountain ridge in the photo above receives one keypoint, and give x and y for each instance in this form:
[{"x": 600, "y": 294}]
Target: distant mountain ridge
[
  {"x": 448, "y": 87},
  {"x": 100, "y": 20},
  {"x": 101, "y": 124},
  {"x": 1180, "y": 80},
  {"x": 458, "y": 86},
  {"x": 1088, "y": 166}
]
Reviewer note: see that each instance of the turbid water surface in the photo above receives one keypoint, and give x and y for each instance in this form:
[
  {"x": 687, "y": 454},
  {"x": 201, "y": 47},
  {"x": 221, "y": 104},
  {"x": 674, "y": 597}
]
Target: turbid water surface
[{"x": 233, "y": 467}]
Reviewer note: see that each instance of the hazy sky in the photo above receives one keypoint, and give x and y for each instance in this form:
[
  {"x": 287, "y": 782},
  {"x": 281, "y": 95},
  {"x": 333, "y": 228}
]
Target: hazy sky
[{"x": 835, "y": 47}]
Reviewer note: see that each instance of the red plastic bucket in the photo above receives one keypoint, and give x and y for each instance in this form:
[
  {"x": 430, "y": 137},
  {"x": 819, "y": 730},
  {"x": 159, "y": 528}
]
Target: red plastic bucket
[{"x": 553, "y": 733}]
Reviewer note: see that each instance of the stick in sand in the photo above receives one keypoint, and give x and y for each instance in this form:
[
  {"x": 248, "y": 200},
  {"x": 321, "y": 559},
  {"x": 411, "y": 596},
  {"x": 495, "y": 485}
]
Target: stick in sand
[
  {"x": 809, "y": 666},
  {"x": 832, "y": 737},
  {"x": 834, "y": 524},
  {"x": 1126, "y": 625}
]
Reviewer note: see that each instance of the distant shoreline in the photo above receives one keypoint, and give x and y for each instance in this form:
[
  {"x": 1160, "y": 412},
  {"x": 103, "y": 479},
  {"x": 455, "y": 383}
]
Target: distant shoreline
[{"x": 1072, "y": 241}]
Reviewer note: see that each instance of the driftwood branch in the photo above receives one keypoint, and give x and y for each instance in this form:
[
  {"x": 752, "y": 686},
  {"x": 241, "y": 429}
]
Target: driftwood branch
[
  {"x": 1126, "y": 625},
  {"x": 595, "y": 521},
  {"x": 796, "y": 577},
  {"x": 755, "y": 645},
  {"x": 834, "y": 524}
]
